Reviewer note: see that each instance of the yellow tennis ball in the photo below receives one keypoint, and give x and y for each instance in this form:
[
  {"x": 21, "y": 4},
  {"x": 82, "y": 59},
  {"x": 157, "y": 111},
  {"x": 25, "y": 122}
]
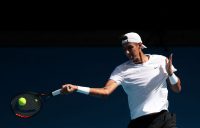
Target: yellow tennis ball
[{"x": 22, "y": 101}]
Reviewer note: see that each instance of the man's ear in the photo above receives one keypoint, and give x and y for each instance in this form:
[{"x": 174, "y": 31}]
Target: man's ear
[{"x": 140, "y": 45}]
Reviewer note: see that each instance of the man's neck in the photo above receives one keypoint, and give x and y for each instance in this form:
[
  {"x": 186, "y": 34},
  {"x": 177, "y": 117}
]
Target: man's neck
[{"x": 141, "y": 59}]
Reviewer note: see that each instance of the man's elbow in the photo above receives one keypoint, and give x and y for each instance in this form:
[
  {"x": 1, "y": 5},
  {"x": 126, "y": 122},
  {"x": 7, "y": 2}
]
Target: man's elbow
[
  {"x": 176, "y": 88},
  {"x": 179, "y": 86},
  {"x": 106, "y": 94}
]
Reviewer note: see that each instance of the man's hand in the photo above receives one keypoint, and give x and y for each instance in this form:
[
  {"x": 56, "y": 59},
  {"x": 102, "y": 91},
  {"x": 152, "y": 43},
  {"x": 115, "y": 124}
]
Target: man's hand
[
  {"x": 177, "y": 86},
  {"x": 169, "y": 65},
  {"x": 68, "y": 88}
]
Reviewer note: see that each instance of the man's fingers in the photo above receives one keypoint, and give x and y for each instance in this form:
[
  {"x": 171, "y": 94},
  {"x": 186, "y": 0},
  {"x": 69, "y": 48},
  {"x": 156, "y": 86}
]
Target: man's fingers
[
  {"x": 65, "y": 88},
  {"x": 69, "y": 88},
  {"x": 166, "y": 60},
  {"x": 170, "y": 57}
]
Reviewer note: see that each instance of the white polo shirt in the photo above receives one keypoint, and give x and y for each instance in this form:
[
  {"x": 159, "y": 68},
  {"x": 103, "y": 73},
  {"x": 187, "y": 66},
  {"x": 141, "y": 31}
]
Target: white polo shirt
[{"x": 145, "y": 85}]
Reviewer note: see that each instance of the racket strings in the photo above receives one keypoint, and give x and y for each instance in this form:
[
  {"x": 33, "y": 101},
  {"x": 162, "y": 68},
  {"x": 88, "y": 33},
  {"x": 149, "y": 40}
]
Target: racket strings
[{"x": 32, "y": 106}]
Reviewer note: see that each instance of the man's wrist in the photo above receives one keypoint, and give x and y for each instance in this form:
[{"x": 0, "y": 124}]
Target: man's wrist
[
  {"x": 170, "y": 74},
  {"x": 173, "y": 79},
  {"x": 84, "y": 90}
]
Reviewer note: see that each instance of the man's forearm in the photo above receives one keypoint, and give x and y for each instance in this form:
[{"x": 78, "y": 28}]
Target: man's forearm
[
  {"x": 99, "y": 92},
  {"x": 105, "y": 91},
  {"x": 176, "y": 87}
]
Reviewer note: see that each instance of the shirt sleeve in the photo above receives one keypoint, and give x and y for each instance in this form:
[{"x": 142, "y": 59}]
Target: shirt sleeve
[{"x": 116, "y": 75}]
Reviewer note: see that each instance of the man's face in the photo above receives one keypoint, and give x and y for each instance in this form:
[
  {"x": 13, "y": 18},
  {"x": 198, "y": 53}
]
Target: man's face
[{"x": 132, "y": 50}]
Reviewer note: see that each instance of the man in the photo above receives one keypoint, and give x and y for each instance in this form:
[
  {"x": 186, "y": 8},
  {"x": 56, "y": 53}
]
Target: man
[{"x": 144, "y": 78}]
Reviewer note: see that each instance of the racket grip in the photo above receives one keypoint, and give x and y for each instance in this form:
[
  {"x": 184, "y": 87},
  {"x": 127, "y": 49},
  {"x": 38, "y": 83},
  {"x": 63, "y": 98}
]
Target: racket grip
[{"x": 56, "y": 92}]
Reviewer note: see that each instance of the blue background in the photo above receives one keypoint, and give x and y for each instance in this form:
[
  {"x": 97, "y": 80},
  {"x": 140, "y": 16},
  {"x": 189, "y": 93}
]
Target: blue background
[{"x": 45, "y": 69}]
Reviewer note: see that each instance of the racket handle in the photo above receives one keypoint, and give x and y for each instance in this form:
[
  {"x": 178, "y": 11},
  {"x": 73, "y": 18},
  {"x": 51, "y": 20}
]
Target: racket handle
[{"x": 56, "y": 92}]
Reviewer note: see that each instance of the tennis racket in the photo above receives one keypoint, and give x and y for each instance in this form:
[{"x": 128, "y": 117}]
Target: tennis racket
[{"x": 34, "y": 102}]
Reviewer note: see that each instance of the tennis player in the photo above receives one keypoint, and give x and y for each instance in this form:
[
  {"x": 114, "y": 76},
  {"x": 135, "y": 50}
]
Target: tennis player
[{"x": 145, "y": 78}]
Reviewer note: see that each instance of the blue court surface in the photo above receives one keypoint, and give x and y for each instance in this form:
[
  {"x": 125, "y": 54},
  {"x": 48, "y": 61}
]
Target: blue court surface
[{"x": 47, "y": 68}]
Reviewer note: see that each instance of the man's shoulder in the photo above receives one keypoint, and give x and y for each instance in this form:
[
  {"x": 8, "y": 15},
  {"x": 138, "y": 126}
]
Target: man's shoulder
[{"x": 123, "y": 65}]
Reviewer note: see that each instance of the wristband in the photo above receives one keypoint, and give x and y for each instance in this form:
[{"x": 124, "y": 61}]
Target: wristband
[
  {"x": 84, "y": 90},
  {"x": 173, "y": 79}
]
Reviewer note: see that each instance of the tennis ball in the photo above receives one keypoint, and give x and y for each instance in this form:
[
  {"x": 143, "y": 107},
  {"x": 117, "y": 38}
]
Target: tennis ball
[{"x": 22, "y": 101}]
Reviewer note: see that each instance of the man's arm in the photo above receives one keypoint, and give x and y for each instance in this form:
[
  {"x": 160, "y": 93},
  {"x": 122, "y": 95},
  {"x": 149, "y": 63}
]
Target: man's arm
[
  {"x": 175, "y": 87},
  {"x": 173, "y": 81},
  {"x": 109, "y": 87}
]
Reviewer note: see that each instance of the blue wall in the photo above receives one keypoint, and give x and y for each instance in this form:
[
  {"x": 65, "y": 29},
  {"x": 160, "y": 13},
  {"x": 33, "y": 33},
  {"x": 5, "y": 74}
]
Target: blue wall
[{"x": 45, "y": 69}]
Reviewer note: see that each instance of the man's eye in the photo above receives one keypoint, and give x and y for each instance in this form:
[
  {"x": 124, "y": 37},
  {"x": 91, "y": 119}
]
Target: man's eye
[{"x": 129, "y": 47}]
